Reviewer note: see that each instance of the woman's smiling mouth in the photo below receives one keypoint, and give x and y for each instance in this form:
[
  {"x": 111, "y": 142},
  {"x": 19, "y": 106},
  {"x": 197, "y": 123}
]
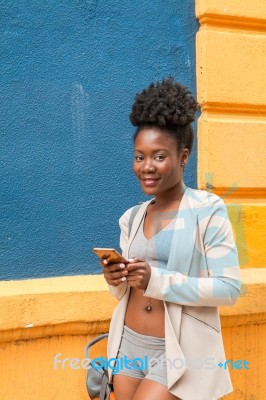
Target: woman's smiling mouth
[{"x": 149, "y": 181}]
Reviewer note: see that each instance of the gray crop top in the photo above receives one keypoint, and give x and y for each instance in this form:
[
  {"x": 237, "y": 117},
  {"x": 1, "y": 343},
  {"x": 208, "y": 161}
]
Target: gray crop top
[{"x": 155, "y": 250}]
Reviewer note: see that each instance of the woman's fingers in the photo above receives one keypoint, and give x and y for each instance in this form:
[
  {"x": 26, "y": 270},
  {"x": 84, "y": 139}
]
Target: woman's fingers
[
  {"x": 115, "y": 282},
  {"x": 139, "y": 272},
  {"x": 135, "y": 272},
  {"x": 114, "y": 273},
  {"x": 135, "y": 260},
  {"x": 132, "y": 267},
  {"x": 112, "y": 267}
]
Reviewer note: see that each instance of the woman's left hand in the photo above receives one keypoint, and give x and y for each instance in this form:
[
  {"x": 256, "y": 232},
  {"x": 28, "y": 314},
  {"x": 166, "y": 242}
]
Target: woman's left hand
[{"x": 139, "y": 273}]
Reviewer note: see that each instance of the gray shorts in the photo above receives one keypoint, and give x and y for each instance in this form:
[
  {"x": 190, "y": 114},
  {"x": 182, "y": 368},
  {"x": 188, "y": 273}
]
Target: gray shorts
[{"x": 142, "y": 357}]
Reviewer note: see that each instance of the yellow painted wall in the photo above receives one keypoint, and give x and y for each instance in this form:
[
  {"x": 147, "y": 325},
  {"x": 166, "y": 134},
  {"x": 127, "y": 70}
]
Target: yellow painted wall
[
  {"x": 43, "y": 317},
  {"x": 40, "y": 318},
  {"x": 231, "y": 84}
]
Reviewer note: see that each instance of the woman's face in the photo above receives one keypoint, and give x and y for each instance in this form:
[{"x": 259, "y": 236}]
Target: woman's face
[{"x": 157, "y": 162}]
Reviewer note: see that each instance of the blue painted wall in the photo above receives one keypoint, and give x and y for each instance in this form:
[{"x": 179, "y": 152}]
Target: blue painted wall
[{"x": 69, "y": 72}]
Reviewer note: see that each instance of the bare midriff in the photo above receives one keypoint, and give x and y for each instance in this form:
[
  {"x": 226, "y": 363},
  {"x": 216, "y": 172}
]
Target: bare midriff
[
  {"x": 138, "y": 318},
  {"x": 150, "y": 323}
]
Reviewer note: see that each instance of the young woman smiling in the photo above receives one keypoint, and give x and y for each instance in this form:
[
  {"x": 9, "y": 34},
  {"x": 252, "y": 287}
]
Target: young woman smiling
[{"x": 182, "y": 264}]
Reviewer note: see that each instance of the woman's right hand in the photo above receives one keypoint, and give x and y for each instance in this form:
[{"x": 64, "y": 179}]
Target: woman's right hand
[{"x": 114, "y": 273}]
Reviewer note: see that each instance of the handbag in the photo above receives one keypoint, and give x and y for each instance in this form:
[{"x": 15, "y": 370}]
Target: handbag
[{"x": 97, "y": 381}]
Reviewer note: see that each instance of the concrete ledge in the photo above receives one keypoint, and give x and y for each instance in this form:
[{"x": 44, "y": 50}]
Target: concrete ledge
[
  {"x": 54, "y": 306},
  {"x": 42, "y": 319},
  {"x": 251, "y": 306},
  {"x": 81, "y": 305},
  {"x": 237, "y": 9}
]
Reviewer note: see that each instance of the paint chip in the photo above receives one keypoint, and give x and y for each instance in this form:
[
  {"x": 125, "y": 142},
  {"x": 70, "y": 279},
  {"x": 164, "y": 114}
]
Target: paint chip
[{"x": 29, "y": 325}]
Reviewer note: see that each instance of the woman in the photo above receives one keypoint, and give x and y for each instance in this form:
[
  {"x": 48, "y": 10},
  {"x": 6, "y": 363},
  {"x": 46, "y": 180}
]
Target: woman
[{"x": 182, "y": 264}]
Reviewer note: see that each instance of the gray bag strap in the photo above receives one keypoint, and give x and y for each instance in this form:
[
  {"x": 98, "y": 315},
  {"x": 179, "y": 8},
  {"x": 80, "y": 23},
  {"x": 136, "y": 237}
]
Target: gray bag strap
[
  {"x": 92, "y": 342},
  {"x": 105, "y": 386},
  {"x": 134, "y": 211}
]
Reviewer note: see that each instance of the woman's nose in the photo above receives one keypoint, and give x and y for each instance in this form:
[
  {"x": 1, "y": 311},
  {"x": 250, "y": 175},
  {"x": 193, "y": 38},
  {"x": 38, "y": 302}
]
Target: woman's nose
[{"x": 148, "y": 167}]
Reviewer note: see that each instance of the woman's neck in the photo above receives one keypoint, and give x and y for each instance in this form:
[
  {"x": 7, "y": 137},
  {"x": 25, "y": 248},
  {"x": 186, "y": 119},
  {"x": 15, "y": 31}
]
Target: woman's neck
[{"x": 171, "y": 198}]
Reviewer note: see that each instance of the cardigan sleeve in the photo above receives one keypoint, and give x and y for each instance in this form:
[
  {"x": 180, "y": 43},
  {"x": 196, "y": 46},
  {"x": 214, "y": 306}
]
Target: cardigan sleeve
[
  {"x": 221, "y": 286},
  {"x": 120, "y": 290}
]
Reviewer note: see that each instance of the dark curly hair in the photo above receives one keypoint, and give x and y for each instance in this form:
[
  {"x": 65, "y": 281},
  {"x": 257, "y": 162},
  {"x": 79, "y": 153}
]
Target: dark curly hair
[{"x": 169, "y": 106}]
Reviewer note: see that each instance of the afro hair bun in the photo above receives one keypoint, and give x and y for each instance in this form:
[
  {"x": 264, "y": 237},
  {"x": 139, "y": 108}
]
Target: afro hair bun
[{"x": 164, "y": 103}]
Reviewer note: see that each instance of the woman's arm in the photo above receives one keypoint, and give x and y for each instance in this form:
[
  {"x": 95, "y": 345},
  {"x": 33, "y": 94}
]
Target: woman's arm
[{"x": 120, "y": 289}]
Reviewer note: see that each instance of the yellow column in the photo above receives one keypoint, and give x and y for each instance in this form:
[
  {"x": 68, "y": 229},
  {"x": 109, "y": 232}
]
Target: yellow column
[{"x": 231, "y": 82}]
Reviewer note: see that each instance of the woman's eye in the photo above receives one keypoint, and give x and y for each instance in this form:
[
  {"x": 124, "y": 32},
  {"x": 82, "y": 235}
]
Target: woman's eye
[
  {"x": 138, "y": 158},
  {"x": 159, "y": 157}
]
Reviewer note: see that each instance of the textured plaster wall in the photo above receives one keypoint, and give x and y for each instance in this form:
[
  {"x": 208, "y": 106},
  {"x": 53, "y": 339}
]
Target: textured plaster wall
[
  {"x": 69, "y": 71},
  {"x": 231, "y": 45}
]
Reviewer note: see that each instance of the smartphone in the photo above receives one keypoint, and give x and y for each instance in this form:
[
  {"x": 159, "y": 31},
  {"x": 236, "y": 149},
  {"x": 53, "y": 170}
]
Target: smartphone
[{"x": 114, "y": 255}]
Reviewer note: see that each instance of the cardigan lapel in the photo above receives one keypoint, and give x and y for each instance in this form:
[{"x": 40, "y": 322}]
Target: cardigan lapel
[
  {"x": 136, "y": 222},
  {"x": 183, "y": 241}
]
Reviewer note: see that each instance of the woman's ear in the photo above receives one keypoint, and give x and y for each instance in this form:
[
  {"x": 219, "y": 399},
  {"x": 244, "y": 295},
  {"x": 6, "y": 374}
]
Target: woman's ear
[{"x": 184, "y": 157}]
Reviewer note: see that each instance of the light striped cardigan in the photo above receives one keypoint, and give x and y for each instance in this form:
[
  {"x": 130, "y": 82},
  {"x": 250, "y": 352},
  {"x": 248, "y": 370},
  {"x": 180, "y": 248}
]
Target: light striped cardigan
[{"x": 202, "y": 273}]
